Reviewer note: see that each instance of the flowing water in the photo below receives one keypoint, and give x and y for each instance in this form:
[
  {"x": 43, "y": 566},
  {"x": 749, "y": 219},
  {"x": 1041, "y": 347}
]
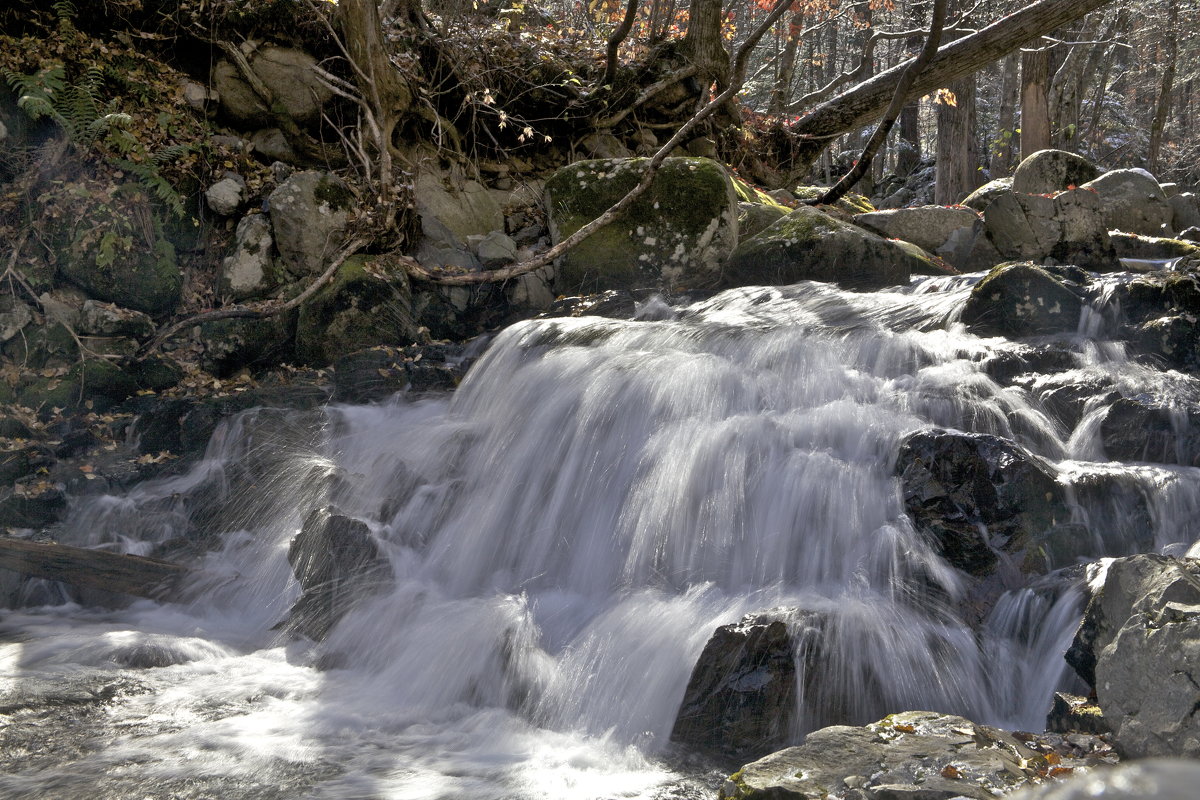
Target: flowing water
[{"x": 566, "y": 532}]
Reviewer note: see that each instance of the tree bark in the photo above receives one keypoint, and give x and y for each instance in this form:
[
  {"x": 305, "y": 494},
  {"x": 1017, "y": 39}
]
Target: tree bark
[
  {"x": 704, "y": 45},
  {"x": 1163, "y": 106},
  {"x": 1035, "y": 102},
  {"x": 1010, "y": 94},
  {"x": 957, "y": 152},
  {"x": 867, "y": 101}
]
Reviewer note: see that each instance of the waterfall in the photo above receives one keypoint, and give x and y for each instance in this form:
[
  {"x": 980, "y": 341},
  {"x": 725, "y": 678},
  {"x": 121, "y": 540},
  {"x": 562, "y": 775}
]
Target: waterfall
[{"x": 565, "y": 532}]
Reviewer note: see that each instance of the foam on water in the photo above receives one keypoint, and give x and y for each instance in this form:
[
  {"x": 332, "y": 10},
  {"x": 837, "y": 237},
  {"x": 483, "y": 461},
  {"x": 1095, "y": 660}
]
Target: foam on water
[{"x": 565, "y": 534}]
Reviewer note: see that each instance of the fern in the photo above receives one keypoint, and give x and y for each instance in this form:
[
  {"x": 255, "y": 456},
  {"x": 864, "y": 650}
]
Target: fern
[{"x": 147, "y": 172}]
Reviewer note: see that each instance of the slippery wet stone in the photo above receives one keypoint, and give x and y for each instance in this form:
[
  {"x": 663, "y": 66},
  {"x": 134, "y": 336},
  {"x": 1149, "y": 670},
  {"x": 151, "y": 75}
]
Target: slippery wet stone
[
  {"x": 1021, "y": 299},
  {"x": 915, "y": 755},
  {"x": 1161, "y": 779},
  {"x": 1142, "y": 429},
  {"x": 974, "y": 496}
]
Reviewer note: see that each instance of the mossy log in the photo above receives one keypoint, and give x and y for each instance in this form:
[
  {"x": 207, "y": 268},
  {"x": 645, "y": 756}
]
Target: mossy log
[{"x": 92, "y": 569}]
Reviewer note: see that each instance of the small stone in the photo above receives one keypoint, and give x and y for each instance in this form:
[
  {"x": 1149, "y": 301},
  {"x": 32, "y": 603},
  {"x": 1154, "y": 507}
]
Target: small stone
[
  {"x": 226, "y": 195},
  {"x": 496, "y": 250}
]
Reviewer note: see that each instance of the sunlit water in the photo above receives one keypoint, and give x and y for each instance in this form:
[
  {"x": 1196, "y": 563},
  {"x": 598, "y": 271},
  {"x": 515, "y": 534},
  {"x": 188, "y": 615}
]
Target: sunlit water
[{"x": 566, "y": 532}]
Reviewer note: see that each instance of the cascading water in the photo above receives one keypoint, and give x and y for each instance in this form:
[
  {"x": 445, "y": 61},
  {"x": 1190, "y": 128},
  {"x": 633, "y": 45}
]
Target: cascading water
[{"x": 565, "y": 533}]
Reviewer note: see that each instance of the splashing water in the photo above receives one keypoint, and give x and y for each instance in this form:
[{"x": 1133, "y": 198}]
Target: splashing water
[{"x": 565, "y": 533}]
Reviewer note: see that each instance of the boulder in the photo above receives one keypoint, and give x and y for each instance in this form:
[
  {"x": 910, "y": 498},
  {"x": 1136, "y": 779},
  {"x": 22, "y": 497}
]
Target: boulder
[
  {"x": 1173, "y": 340},
  {"x": 270, "y": 144},
  {"x": 14, "y": 316},
  {"x": 231, "y": 344},
  {"x": 1152, "y": 248},
  {"x": 754, "y": 218},
  {"x": 1019, "y": 299},
  {"x": 337, "y": 563},
  {"x": 1139, "y": 645},
  {"x": 1142, "y": 429},
  {"x": 105, "y": 319},
  {"x": 676, "y": 235},
  {"x": 250, "y": 272},
  {"x": 226, "y": 195},
  {"x": 809, "y": 244},
  {"x": 984, "y": 195},
  {"x": 605, "y": 145},
  {"x": 1159, "y": 293},
  {"x": 366, "y": 304},
  {"x": 288, "y": 75},
  {"x": 915, "y": 755},
  {"x": 495, "y": 250},
  {"x": 147, "y": 278},
  {"x": 741, "y": 697},
  {"x": 1186, "y": 208},
  {"x": 1067, "y": 228},
  {"x": 1160, "y": 779},
  {"x": 1050, "y": 171},
  {"x": 947, "y": 232},
  {"x": 974, "y": 496},
  {"x": 1133, "y": 202},
  {"x": 464, "y": 210},
  {"x": 380, "y": 372},
  {"x": 309, "y": 214}
]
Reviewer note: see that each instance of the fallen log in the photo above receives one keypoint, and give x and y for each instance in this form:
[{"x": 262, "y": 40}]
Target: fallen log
[{"x": 92, "y": 569}]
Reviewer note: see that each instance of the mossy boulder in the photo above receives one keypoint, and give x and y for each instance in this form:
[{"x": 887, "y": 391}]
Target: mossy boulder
[
  {"x": 231, "y": 344},
  {"x": 1153, "y": 248},
  {"x": 309, "y": 214},
  {"x": 851, "y": 202},
  {"x": 368, "y": 303},
  {"x": 1133, "y": 202},
  {"x": 810, "y": 245},
  {"x": 144, "y": 277},
  {"x": 1022, "y": 299},
  {"x": 676, "y": 235},
  {"x": 95, "y": 381}
]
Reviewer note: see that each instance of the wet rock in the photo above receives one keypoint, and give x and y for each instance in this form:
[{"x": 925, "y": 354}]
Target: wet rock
[
  {"x": 915, "y": 755},
  {"x": 250, "y": 270},
  {"x": 1160, "y": 293},
  {"x": 285, "y": 71},
  {"x": 1019, "y": 299},
  {"x": 231, "y": 344},
  {"x": 1071, "y": 713},
  {"x": 614, "y": 304},
  {"x": 496, "y": 250},
  {"x": 677, "y": 234},
  {"x": 31, "y": 504},
  {"x": 1161, "y": 779},
  {"x": 1049, "y": 171},
  {"x": 309, "y": 214},
  {"x": 1190, "y": 235},
  {"x": 1139, "y": 645},
  {"x": 337, "y": 563},
  {"x": 973, "y": 496},
  {"x": 741, "y": 697},
  {"x": 1067, "y": 402},
  {"x": 1187, "y": 210},
  {"x": 984, "y": 195},
  {"x": 1133, "y": 201},
  {"x": 1005, "y": 366},
  {"x": 808, "y": 244},
  {"x": 1142, "y": 429},
  {"x": 1172, "y": 340},
  {"x": 367, "y": 303},
  {"x": 379, "y": 372}
]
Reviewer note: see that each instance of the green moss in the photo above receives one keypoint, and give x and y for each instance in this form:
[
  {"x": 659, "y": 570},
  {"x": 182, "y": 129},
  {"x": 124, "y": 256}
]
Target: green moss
[
  {"x": 334, "y": 193},
  {"x": 751, "y": 194},
  {"x": 851, "y": 203}
]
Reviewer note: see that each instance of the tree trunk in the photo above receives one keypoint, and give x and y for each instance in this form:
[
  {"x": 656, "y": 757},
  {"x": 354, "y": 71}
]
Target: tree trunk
[
  {"x": 781, "y": 95},
  {"x": 1035, "y": 102},
  {"x": 704, "y": 45},
  {"x": 1010, "y": 94},
  {"x": 867, "y": 101},
  {"x": 1064, "y": 100},
  {"x": 957, "y": 152},
  {"x": 378, "y": 81},
  {"x": 1163, "y": 106}
]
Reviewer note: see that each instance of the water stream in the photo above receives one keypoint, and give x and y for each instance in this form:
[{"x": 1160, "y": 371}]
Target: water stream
[{"x": 566, "y": 532}]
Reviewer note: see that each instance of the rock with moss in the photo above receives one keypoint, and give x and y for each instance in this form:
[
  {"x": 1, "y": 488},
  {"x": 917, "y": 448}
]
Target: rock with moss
[
  {"x": 286, "y": 72},
  {"x": 145, "y": 277},
  {"x": 915, "y": 754},
  {"x": 676, "y": 235},
  {"x": 309, "y": 214},
  {"x": 231, "y": 344},
  {"x": 850, "y": 203},
  {"x": 1049, "y": 171},
  {"x": 754, "y": 218},
  {"x": 1022, "y": 299},
  {"x": 1153, "y": 248},
  {"x": 107, "y": 320},
  {"x": 95, "y": 383},
  {"x": 250, "y": 271},
  {"x": 41, "y": 346},
  {"x": 810, "y": 245},
  {"x": 367, "y": 303},
  {"x": 1133, "y": 202}
]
